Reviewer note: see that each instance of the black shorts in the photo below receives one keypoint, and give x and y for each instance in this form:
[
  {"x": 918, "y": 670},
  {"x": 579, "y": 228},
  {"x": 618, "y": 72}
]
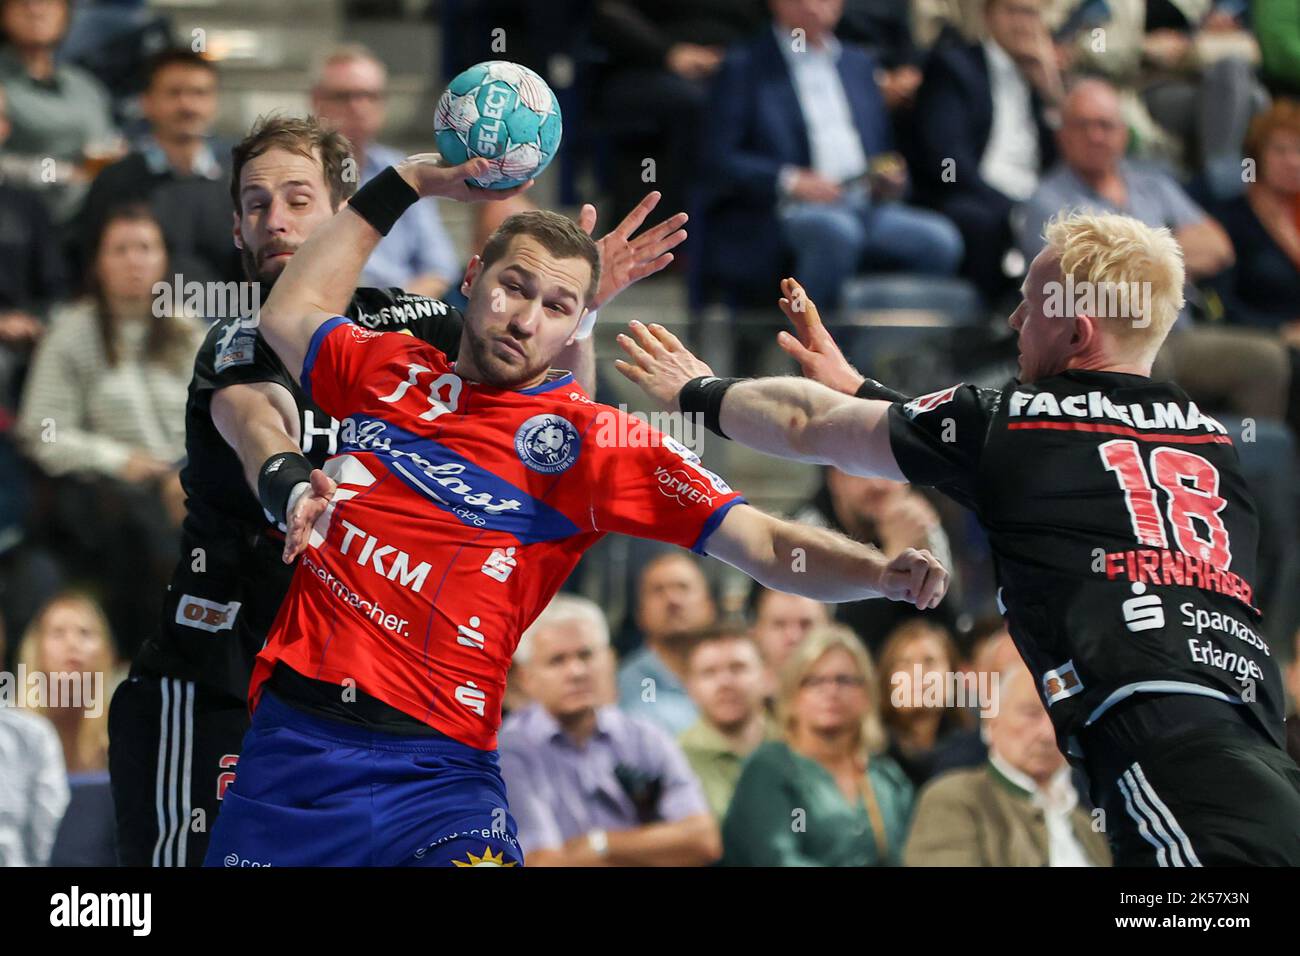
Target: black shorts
[
  {"x": 1218, "y": 794},
  {"x": 172, "y": 750}
]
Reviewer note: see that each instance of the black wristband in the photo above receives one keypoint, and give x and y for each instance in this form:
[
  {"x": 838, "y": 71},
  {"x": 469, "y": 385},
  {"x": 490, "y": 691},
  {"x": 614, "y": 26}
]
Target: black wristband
[
  {"x": 277, "y": 478},
  {"x": 703, "y": 396},
  {"x": 873, "y": 389},
  {"x": 382, "y": 201}
]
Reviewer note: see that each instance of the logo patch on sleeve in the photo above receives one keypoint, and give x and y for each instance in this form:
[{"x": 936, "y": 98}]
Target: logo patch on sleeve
[
  {"x": 1062, "y": 682},
  {"x": 236, "y": 346},
  {"x": 928, "y": 403}
]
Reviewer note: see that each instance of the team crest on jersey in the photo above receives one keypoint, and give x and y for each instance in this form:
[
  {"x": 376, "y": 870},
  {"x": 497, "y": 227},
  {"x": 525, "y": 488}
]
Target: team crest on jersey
[
  {"x": 547, "y": 443},
  {"x": 235, "y": 346},
  {"x": 928, "y": 403}
]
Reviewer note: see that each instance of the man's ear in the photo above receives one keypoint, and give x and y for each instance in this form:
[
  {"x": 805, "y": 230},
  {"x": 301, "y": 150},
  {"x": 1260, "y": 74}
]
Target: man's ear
[
  {"x": 239, "y": 242},
  {"x": 472, "y": 272},
  {"x": 1085, "y": 333}
]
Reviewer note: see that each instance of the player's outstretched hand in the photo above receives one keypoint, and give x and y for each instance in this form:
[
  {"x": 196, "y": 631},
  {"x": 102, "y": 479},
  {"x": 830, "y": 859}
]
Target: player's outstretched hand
[
  {"x": 625, "y": 259},
  {"x": 309, "y": 506},
  {"x": 916, "y": 577},
  {"x": 660, "y": 364},
  {"x": 430, "y": 175},
  {"x": 814, "y": 349}
]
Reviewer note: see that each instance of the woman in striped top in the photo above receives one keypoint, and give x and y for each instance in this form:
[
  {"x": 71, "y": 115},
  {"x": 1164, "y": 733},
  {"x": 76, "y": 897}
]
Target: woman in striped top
[{"x": 103, "y": 415}]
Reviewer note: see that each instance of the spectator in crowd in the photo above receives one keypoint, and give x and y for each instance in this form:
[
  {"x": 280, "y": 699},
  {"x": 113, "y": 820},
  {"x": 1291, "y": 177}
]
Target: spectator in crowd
[
  {"x": 652, "y": 95},
  {"x": 799, "y": 162},
  {"x": 1262, "y": 289},
  {"x": 894, "y": 517},
  {"x": 68, "y": 644},
  {"x": 917, "y": 668},
  {"x": 825, "y": 794},
  {"x": 982, "y": 136},
  {"x": 104, "y": 411},
  {"x": 32, "y": 272},
  {"x": 884, "y": 27},
  {"x": 1019, "y": 808},
  {"x": 1188, "y": 89},
  {"x": 673, "y": 604},
  {"x": 33, "y": 787},
  {"x": 1220, "y": 367},
  {"x": 993, "y": 653},
  {"x": 176, "y": 170},
  {"x": 1094, "y": 174},
  {"x": 58, "y": 111},
  {"x": 724, "y": 674},
  {"x": 32, "y": 277},
  {"x": 349, "y": 92},
  {"x": 781, "y": 622},
  {"x": 589, "y": 785}
]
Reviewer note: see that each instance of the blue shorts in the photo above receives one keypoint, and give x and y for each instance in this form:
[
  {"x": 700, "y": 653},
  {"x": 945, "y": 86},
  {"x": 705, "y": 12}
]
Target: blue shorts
[{"x": 310, "y": 791}]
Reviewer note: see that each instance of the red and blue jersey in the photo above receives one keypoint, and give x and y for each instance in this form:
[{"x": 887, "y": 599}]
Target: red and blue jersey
[{"x": 461, "y": 509}]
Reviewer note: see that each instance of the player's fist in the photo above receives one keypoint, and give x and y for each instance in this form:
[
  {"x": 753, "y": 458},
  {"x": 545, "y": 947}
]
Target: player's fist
[
  {"x": 304, "y": 508},
  {"x": 916, "y": 577},
  {"x": 660, "y": 364}
]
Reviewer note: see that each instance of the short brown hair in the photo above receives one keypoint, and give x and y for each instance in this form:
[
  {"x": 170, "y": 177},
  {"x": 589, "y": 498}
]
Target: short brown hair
[
  {"x": 718, "y": 634},
  {"x": 176, "y": 56},
  {"x": 1282, "y": 115},
  {"x": 558, "y": 235},
  {"x": 301, "y": 135}
]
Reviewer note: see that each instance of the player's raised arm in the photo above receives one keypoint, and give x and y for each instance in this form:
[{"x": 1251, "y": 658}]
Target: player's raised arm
[
  {"x": 321, "y": 278},
  {"x": 823, "y": 564},
  {"x": 783, "y": 416}
]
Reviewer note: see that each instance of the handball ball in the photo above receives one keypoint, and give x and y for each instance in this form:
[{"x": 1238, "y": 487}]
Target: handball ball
[{"x": 503, "y": 112}]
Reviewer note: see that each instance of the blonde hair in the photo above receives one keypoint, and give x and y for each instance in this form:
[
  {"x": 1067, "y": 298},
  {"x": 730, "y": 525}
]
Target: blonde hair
[
  {"x": 92, "y": 738},
  {"x": 1110, "y": 251},
  {"x": 820, "y": 642}
]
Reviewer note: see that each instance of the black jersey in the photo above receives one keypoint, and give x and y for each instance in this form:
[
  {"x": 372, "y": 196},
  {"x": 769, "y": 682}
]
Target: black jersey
[
  {"x": 1123, "y": 534},
  {"x": 229, "y": 581}
]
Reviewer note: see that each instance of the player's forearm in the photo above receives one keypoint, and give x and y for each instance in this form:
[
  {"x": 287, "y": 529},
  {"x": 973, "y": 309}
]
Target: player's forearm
[
  {"x": 321, "y": 276},
  {"x": 786, "y": 556},
  {"x": 776, "y": 415},
  {"x": 823, "y": 564},
  {"x": 258, "y": 442}
]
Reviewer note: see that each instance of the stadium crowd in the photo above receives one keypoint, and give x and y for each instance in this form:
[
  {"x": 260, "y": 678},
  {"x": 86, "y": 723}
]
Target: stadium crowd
[{"x": 891, "y": 155}]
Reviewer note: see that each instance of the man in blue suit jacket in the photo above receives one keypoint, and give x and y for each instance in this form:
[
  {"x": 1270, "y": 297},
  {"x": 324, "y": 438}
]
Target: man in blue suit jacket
[
  {"x": 981, "y": 139},
  {"x": 792, "y": 124}
]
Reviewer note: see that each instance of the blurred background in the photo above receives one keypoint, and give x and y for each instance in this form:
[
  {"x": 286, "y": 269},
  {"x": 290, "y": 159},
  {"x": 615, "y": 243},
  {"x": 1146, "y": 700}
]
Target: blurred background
[{"x": 906, "y": 186}]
